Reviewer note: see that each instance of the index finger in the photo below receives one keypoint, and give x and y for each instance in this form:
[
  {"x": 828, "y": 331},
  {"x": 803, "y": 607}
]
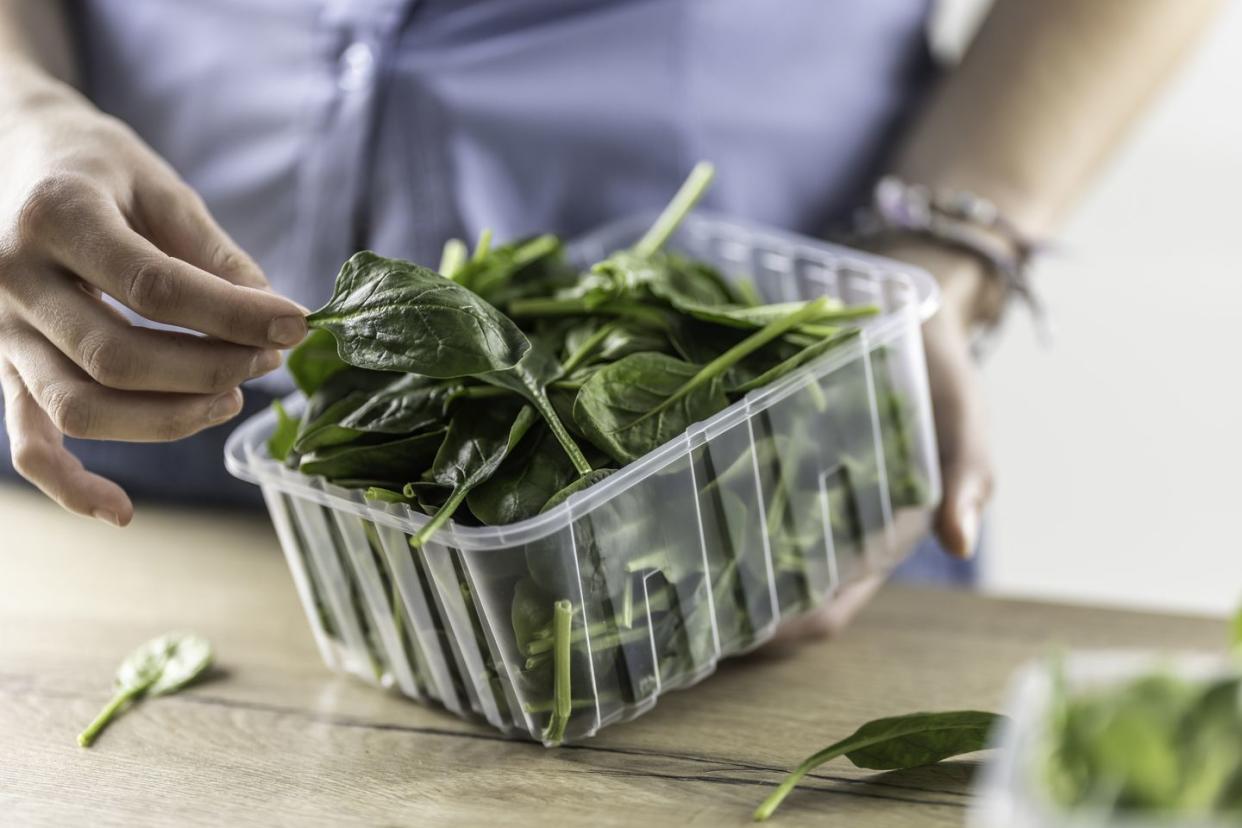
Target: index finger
[{"x": 105, "y": 251}]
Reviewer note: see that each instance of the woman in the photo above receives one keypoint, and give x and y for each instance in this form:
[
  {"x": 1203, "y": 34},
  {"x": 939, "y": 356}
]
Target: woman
[{"x": 221, "y": 156}]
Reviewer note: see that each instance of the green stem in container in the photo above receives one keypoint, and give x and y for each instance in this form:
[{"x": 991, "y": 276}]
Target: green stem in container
[
  {"x": 677, "y": 210},
  {"x": 588, "y": 346},
  {"x": 721, "y": 364},
  {"x": 562, "y": 699}
]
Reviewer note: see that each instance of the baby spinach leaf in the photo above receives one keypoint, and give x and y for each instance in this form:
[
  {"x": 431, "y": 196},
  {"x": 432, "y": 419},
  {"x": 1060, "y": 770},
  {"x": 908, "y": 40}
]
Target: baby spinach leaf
[
  {"x": 614, "y": 405},
  {"x": 411, "y": 403},
  {"x": 391, "y": 461},
  {"x": 160, "y": 666},
  {"x": 527, "y": 478},
  {"x": 338, "y": 396},
  {"x": 286, "y": 431},
  {"x": 476, "y": 443},
  {"x": 896, "y": 743},
  {"x": 391, "y": 315},
  {"x": 313, "y": 361}
]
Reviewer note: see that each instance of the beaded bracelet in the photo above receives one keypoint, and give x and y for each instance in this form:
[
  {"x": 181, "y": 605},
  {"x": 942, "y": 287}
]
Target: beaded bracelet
[{"x": 962, "y": 220}]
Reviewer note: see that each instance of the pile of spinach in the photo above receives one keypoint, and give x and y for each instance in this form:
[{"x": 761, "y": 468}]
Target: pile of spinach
[{"x": 495, "y": 389}]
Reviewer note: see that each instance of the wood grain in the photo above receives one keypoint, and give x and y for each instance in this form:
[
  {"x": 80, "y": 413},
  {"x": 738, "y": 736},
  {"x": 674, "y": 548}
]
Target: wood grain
[{"x": 273, "y": 738}]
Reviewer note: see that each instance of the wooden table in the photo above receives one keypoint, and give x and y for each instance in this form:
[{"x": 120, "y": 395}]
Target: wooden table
[{"x": 272, "y": 737}]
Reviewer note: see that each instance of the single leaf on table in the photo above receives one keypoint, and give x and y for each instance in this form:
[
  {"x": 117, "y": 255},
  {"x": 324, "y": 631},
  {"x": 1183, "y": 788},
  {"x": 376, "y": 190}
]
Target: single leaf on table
[
  {"x": 614, "y": 406},
  {"x": 313, "y": 361},
  {"x": 478, "y": 440},
  {"x": 390, "y": 461},
  {"x": 391, "y": 315},
  {"x": 896, "y": 743},
  {"x": 283, "y": 435},
  {"x": 160, "y": 666}
]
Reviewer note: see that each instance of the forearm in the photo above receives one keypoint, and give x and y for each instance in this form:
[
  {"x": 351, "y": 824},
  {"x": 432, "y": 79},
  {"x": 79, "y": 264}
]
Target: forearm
[
  {"x": 34, "y": 45},
  {"x": 1042, "y": 95}
]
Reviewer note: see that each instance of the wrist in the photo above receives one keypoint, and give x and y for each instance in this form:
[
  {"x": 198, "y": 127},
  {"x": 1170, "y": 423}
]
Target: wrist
[
  {"x": 969, "y": 292},
  {"x": 25, "y": 86}
]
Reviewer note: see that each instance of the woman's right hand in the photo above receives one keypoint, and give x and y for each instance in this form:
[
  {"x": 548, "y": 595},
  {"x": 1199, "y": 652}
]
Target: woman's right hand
[{"x": 87, "y": 209}]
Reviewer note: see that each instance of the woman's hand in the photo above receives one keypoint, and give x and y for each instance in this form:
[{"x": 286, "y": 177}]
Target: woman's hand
[
  {"x": 87, "y": 209},
  {"x": 968, "y": 297}
]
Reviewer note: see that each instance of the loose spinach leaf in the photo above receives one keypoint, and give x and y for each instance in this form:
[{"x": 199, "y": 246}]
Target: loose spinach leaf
[
  {"x": 339, "y": 396},
  {"x": 286, "y": 431},
  {"x": 895, "y": 743},
  {"x": 391, "y": 315},
  {"x": 160, "y": 666}
]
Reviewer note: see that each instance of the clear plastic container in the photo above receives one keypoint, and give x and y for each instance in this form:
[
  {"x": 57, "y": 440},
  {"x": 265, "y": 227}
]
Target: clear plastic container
[
  {"x": 690, "y": 554},
  {"x": 1009, "y": 793}
]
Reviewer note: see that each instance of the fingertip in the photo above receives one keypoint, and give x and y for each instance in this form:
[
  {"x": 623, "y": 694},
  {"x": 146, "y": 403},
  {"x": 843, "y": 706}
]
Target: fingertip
[{"x": 961, "y": 517}]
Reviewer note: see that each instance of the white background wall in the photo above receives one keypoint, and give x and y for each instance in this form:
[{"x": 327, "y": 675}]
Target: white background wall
[{"x": 1120, "y": 449}]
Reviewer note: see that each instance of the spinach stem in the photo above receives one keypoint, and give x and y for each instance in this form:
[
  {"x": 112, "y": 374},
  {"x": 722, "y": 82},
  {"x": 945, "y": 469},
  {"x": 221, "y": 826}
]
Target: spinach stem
[
  {"x": 88, "y": 736},
  {"x": 441, "y": 517},
  {"x": 807, "y": 354},
  {"x": 536, "y": 248},
  {"x": 540, "y": 398},
  {"x": 562, "y": 699},
  {"x": 522, "y": 308},
  {"x": 740, "y": 351},
  {"x": 677, "y": 210},
  {"x": 602, "y": 635},
  {"x": 452, "y": 257},
  {"x": 480, "y": 392},
  {"x": 484, "y": 245},
  {"x": 587, "y": 348}
]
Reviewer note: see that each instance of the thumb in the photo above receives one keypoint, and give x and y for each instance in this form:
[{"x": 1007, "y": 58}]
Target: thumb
[{"x": 961, "y": 430}]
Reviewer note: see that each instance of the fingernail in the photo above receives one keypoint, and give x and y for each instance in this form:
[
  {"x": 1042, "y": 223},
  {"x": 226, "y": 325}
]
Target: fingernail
[
  {"x": 224, "y": 407},
  {"x": 106, "y": 517},
  {"x": 264, "y": 362},
  {"x": 287, "y": 331},
  {"x": 968, "y": 520}
]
